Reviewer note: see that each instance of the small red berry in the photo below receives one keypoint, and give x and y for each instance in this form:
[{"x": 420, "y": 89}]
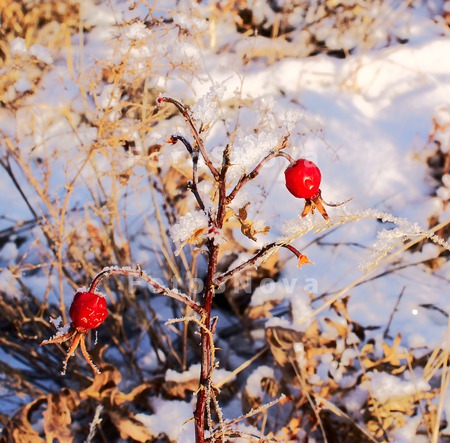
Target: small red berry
[
  {"x": 88, "y": 311},
  {"x": 303, "y": 179}
]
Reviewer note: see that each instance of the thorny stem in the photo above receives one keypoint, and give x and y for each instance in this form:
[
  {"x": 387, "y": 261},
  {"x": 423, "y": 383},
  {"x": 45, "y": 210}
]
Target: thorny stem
[
  {"x": 206, "y": 357},
  {"x": 216, "y": 222},
  {"x": 207, "y": 345}
]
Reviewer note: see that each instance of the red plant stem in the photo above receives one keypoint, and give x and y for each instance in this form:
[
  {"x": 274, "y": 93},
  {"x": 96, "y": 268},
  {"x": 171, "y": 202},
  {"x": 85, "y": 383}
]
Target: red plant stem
[
  {"x": 206, "y": 361},
  {"x": 207, "y": 365},
  {"x": 291, "y": 159}
]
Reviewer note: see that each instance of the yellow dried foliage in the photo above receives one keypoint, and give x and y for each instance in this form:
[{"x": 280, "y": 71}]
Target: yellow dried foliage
[
  {"x": 398, "y": 360},
  {"x": 57, "y": 417},
  {"x": 61, "y": 407},
  {"x": 40, "y": 21},
  {"x": 248, "y": 227}
]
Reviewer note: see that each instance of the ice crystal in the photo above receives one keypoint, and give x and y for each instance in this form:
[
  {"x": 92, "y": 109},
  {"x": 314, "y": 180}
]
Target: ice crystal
[
  {"x": 60, "y": 330},
  {"x": 188, "y": 226},
  {"x": 249, "y": 148},
  {"x": 387, "y": 239},
  {"x": 206, "y": 107}
]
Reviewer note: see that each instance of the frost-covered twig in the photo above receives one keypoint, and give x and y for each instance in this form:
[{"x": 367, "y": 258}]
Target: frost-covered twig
[
  {"x": 257, "y": 257},
  {"x": 95, "y": 422},
  {"x": 253, "y": 412},
  {"x": 255, "y": 172},
  {"x": 185, "y": 113},
  {"x": 157, "y": 287},
  {"x": 385, "y": 259}
]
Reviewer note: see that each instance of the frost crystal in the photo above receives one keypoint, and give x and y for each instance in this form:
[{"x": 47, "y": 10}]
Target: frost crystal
[
  {"x": 389, "y": 239},
  {"x": 249, "y": 148},
  {"x": 188, "y": 226},
  {"x": 298, "y": 226},
  {"x": 60, "y": 330},
  {"x": 205, "y": 108}
]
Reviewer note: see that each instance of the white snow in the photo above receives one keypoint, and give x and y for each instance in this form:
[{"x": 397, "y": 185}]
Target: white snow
[
  {"x": 193, "y": 373},
  {"x": 41, "y": 53},
  {"x": 188, "y": 225},
  {"x": 168, "y": 419},
  {"x": 267, "y": 292},
  {"x": 253, "y": 384},
  {"x": 22, "y": 85},
  {"x": 205, "y": 109},
  {"x": 9, "y": 252},
  {"x": 384, "y": 386},
  {"x": 249, "y": 148},
  {"x": 18, "y": 46}
]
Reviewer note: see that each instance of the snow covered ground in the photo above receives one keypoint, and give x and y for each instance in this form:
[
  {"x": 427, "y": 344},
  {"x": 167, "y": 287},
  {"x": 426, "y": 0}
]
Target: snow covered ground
[{"x": 365, "y": 120}]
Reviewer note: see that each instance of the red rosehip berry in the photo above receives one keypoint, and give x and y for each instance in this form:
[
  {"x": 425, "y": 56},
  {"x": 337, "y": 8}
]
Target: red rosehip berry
[
  {"x": 303, "y": 179},
  {"x": 88, "y": 311}
]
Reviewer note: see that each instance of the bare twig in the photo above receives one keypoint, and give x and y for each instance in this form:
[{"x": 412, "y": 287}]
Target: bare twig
[
  {"x": 290, "y": 159},
  {"x": 386, "y": 331},
  {"x": 194, "y": 155}
]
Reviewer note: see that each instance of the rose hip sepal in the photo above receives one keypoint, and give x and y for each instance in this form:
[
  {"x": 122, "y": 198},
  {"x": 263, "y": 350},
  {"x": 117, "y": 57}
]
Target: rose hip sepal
[
  {"x": 87, "y": 311},
  {"x": 303, "y": 180}
]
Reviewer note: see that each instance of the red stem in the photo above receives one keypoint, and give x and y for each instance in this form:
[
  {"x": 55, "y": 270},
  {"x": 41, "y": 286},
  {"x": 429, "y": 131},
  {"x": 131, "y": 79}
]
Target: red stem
[
  {"x": 210, "y": 287},
  {"x": 207, "y": 363},
  {"x": 291, "y": 159}
]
